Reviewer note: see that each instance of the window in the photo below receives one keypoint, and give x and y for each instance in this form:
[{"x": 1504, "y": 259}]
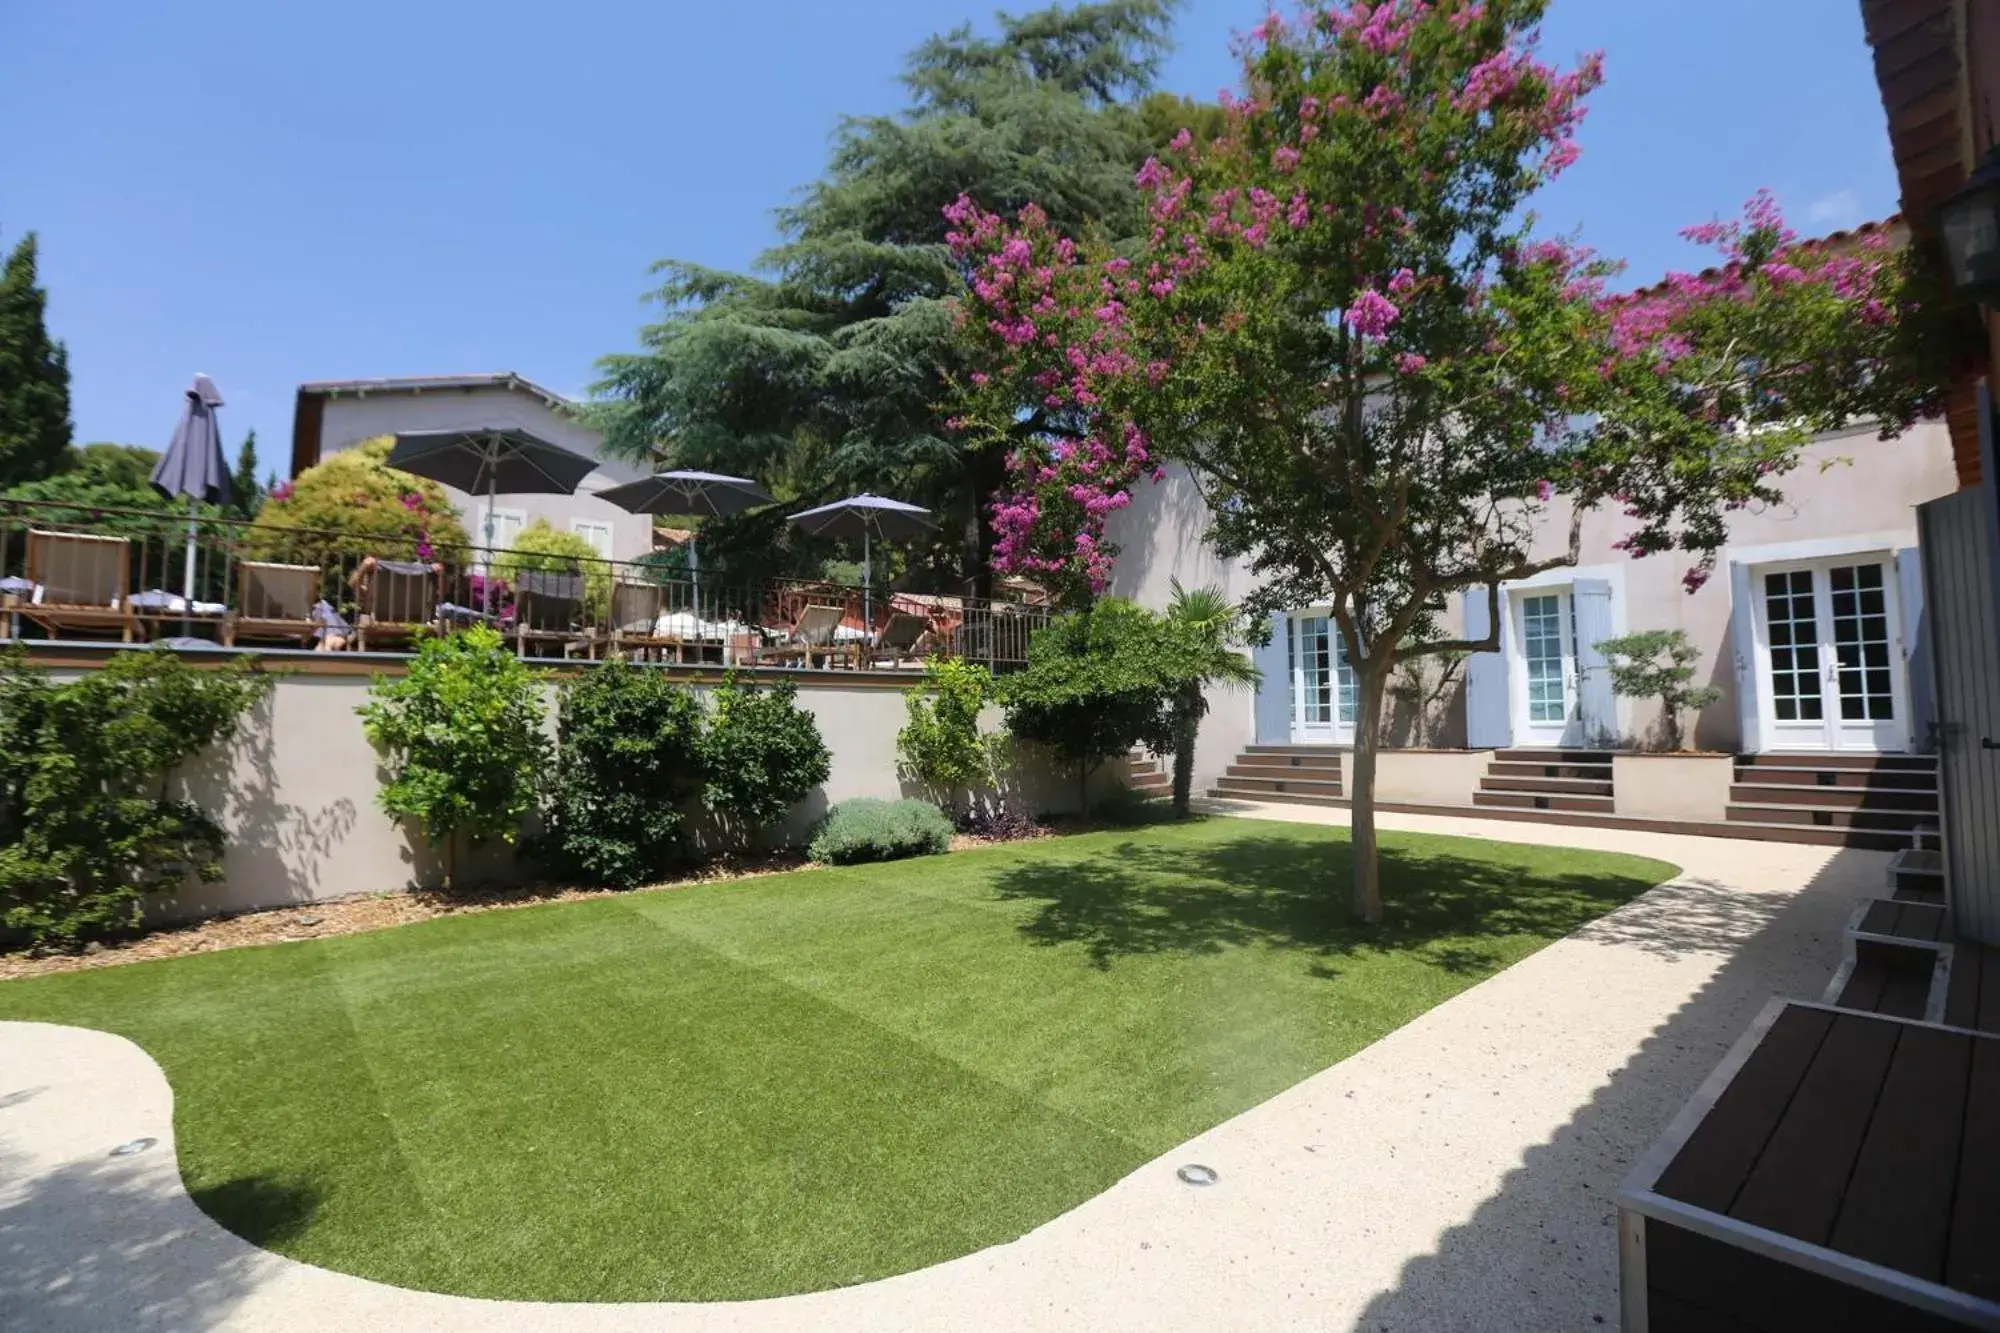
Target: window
[
  {"x": 507, "y": 525},
  {"x": 1792, "y": 615},
  {"x": 1861, "y": 643},
  {"x": 596, "y": 532},
  {"x": 1542, "y": 646}
]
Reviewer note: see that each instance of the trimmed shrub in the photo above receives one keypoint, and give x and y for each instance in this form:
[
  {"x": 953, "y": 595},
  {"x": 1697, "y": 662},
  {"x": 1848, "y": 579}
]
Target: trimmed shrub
[
  {"x": 352, "y": 504},
  {"x": 940, "y": 746},
  {"x": 867, "y": 829},
  {"x": 762, "y": 754},
  {"x": 86, "y": 828},
  {"x": 541, "y": 547},
  {"x": 628, "y": 760}
]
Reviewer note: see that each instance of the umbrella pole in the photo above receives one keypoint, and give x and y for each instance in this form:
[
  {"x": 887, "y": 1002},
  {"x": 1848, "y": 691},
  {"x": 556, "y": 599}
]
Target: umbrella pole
[
  {"x": 187, "y": 574},
  {"x": 867, "y": 570},
  {"x": 694, "y": 572},
  {"x": 492, "y": 493}
]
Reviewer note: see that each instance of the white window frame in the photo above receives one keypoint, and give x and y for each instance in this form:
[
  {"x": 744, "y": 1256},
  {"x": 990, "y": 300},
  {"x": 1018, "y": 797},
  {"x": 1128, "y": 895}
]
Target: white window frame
[
  {"x": 502, "y": 540},
  {"x": 585, "y": 527}
]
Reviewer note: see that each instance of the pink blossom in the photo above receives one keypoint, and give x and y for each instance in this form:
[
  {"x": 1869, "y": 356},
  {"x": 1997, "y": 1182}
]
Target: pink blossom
[
  {"x": 1409, "y": 363},
  {"x": 1372, "y": 313},
  {"x": 1695, "y": 578},
  {"x": 1285, "y": 159},
  {"x": 1403, "y": 282},
  {"x": 1545, "y": 491}
]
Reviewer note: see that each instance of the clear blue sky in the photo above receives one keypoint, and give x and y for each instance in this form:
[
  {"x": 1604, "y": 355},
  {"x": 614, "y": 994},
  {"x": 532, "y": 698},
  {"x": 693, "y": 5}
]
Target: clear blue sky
[{"x": 275, "y": 193}]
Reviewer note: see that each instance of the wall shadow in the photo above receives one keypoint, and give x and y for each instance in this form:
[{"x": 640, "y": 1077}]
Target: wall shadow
[
  {"x": 60, "y": 1274},
  {"x": 1141, "y": 898},
  {"x": 1541, "y": 1252}
]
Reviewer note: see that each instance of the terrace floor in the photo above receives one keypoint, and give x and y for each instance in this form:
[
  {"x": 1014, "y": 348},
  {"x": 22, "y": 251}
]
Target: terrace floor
[{"x": 1458, "y": 1173}]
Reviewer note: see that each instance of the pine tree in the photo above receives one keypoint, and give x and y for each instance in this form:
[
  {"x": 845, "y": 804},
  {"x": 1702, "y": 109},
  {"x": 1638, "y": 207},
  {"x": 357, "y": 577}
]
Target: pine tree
[
  {"x": 34, "y": 377},
  {"x": 244, "y": 492}
]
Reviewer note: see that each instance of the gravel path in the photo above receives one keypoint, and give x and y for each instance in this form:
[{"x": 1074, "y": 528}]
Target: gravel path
[{"x": 1455, "y": 1175}]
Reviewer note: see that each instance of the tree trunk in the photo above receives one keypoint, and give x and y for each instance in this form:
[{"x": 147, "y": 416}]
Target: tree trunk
[
  {"x": 1367, "y": 737},
  {"x": 1186, "y": 727}
]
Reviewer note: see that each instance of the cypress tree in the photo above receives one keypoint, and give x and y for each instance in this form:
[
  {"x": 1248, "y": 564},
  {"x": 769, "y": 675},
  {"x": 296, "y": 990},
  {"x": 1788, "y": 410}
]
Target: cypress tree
[{"x": 34, "y": 377}]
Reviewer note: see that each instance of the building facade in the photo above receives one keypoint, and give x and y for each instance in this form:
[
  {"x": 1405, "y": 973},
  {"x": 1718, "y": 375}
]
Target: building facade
[{"x": 332, "y": 415}]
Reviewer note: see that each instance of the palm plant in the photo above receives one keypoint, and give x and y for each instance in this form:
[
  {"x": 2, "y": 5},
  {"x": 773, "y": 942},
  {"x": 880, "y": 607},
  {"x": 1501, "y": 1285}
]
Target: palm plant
[{"x": 1206, "y": 632}]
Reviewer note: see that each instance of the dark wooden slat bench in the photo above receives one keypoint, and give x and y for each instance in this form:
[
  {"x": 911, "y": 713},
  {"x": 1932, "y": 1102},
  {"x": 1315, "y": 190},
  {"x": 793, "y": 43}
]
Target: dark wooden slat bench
[
  {"x": 1896, "y": 963},
  {"x": 1840, "y": 1170},
  {"x": 1972, "y": 987}
]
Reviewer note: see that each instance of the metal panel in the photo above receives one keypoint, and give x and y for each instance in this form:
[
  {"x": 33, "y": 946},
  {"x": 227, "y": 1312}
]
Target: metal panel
[
  {"x": 1916, "y": 647},
  {"x": 1743, "y": 630},
  {"x": 1594, "y": 624},
  {"x": 1487, "y": 723},
  {"x": 1274, "y": 690},
  {"x": 1959, "y": 590}
]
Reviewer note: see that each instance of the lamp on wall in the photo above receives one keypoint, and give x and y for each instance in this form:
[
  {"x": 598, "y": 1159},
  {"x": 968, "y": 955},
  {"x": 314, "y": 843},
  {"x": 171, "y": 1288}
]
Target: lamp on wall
[{"x": 1970, "y": 223}]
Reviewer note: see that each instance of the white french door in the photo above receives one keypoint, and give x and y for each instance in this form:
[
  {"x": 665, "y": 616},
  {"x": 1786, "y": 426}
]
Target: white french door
[
  {"x": 1832, "y": 660},
  {"x": 1545, "y": 693},
  {"x": 1325, "y": 691}
]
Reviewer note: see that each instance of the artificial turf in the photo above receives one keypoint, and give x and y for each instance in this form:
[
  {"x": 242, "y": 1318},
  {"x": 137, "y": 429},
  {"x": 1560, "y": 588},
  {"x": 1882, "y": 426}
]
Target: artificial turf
[{"x": 801, "y": 1081}]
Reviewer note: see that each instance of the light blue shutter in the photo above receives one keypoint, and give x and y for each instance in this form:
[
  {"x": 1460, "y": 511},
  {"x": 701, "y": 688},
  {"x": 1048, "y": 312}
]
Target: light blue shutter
[
  {"x": 1596, "y": 705},
  {"x": 1274, "y": 691},
  {"x": 1486, "y": 723},
  {"x": 1916, "y": 648},
  {"x": 1743, "y": 631}
]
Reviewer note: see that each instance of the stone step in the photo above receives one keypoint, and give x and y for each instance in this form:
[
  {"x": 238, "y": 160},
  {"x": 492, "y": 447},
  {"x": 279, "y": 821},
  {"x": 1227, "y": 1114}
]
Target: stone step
[
  {"x": 1906, "y": 762},
  {"x": 1548, "y": 786},
  {"x": 1897, "y": 821},
  {"x": 1845, "y": 798},
  {"x": 1888, "y": 779},
  {"x": 1537, "y": 801}
]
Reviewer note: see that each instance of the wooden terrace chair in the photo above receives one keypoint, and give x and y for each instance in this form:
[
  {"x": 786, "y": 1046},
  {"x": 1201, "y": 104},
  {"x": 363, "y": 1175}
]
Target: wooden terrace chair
[
  {"x": 274, "y": 603},
  {"x": 636, "y": 609},
  {"x": 548, "y": 609},
  {"x": 398, "y": 600},
  {"x": 81, "y": 582},
  {"x": 812, "y": 640},
  {"x": 898, "y": 640}
]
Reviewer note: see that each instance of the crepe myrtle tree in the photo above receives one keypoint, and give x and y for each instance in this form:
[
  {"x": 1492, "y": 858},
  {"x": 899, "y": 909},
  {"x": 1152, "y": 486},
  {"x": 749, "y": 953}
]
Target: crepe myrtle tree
[{"x": 1343, "y": 324}]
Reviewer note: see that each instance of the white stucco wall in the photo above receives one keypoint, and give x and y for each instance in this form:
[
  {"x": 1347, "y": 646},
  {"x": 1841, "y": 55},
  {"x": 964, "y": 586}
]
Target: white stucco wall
[
  {"x": 350, "y": 418},
  {"x": 1848, "y": 484},
  {"x": 296, "y": 795}
]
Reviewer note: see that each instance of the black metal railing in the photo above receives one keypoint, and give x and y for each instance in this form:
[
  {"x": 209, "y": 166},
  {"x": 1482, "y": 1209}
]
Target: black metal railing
[{"x": 92, "y": 573}]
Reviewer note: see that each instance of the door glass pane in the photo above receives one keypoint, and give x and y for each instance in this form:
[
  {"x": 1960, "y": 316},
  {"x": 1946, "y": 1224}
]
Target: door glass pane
[
  {"x": 1542, "y": 647},
  {"x": 1792, "y": 621},
  {"x": 1312, "y": 670},
  {"x": 1861, "y": 643},
  {"x": 1349, "y": 683}
]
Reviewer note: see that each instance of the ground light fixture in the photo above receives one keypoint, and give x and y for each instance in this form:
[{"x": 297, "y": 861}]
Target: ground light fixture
[
  {"x": 1194, "y": 1173},
  {"x": 133, "y": 1147},
  {"x": 1969, "y": 221}
]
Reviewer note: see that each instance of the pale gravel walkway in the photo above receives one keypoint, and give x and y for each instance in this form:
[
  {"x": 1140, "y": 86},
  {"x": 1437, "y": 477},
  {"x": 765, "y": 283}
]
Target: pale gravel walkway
[{"x": 1454, "y": 1175}]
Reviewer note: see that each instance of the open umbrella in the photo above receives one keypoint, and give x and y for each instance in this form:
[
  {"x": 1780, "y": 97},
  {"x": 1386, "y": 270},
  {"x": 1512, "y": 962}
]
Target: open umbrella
[
  {"x": 491, "y": 460},
  {"x": 194, "y": 468},
  {"x": 866, "y": 517},
  {"x": 688, "y": 494}
]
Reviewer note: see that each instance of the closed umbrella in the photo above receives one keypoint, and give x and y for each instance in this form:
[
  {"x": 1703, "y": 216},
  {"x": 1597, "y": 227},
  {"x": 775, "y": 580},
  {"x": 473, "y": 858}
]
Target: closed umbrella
[
  {"x": 491, "y": 460},
  {"x": 866, "y": 517},
  {"x": 194, "y": 469}
]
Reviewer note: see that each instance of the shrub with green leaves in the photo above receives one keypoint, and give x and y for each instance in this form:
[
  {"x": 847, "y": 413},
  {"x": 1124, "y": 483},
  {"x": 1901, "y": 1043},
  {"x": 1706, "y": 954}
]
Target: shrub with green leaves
[
  {"x": 541, "y": 547},
  {"x": 1659, "y": 664},
  {"x": 461, "y": 735},
  {"x": 87, "y": 831},
  {"x": 940, "y": 745},
  {"x": 628, "y": 762},
  {"x": 761, "y": 755},
  {"x": 868, "y": 829}
]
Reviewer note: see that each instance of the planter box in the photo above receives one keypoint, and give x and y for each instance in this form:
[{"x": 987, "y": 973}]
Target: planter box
[
  {"x": 1693, "y": 787},
  {"x": 1427, "y": 777}
]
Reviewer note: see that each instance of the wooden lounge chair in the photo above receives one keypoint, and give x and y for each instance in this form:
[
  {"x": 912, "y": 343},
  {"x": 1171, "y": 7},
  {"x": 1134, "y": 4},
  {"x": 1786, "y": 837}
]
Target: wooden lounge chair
[
  {"x": 81, "y": 583},
  {"x": 398, "y": 601},
  {"x": 548, "y": 609},
  {"x": 635, "y": 618},
  {"x": 274, "y": 603},
  {"x": 811, "y": 641},
  {"x": 898, "y": 639}
]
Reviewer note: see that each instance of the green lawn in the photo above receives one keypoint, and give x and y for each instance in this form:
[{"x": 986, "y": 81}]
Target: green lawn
[{"x": 801, "y": 1081}]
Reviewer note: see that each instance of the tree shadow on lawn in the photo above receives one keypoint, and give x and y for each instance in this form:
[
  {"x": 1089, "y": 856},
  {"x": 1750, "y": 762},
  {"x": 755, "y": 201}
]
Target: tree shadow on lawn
[
  {"x": 1139, "y": 898},
  {"x": 263, "y": 1211}
]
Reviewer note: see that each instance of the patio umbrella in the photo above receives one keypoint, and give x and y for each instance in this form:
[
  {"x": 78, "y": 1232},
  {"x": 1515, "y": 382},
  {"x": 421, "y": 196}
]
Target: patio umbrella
[
  {"x": 491, "y": 459},
  {"x": 866, "y": 517},
  {"x": 688, "y": 494},
  {"x": 194, "y": 468}
]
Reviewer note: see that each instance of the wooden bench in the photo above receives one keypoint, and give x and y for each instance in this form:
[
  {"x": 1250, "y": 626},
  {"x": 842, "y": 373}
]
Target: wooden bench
[
  {"x": 1972, "y": 987},
  {"x": 1917, "y": 876},
  {"x": 1838, "y": 1171},
  {"x": 1894, "y": 961}
]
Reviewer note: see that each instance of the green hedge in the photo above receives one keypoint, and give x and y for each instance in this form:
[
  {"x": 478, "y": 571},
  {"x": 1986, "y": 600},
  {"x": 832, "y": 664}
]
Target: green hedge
[{"x": 867, "y": 829}]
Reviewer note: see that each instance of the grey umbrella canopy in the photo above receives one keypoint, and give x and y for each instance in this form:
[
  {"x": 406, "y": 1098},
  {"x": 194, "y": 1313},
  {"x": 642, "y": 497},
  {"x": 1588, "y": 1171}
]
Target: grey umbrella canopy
[
  {"x": 491, "y": 460},
  {"x": 193, "y": 468},
  {"x": 866, "y": 517},
  {"x": 691, "y": 494}
]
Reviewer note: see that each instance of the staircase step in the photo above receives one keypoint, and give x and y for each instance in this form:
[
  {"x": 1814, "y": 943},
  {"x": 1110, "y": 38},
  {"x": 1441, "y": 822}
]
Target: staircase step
[
  {"x": 1898, "y": 821},
  {"x": 1281, "y": 786},
  {"x": 1292, "y": 763},
  {"x": 1566, "y": 772},
  {"x": 1554, "y": 757},
  {"x": 1537, "y": 801},
  {"x": 1548, "y": 786},
  {"x": 1232, "y": 789},
  {"x": 1846, "y": 798},
  {"x": 1296, "y": 749},
  {"x": 1904, "y": 762},
  {"x": 1882, "y": 779},
  {"x": 1876, "y": 840}
]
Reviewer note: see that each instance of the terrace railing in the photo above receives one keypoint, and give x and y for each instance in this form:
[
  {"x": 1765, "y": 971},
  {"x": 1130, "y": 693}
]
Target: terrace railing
[{"x": 72, "y": 572}]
